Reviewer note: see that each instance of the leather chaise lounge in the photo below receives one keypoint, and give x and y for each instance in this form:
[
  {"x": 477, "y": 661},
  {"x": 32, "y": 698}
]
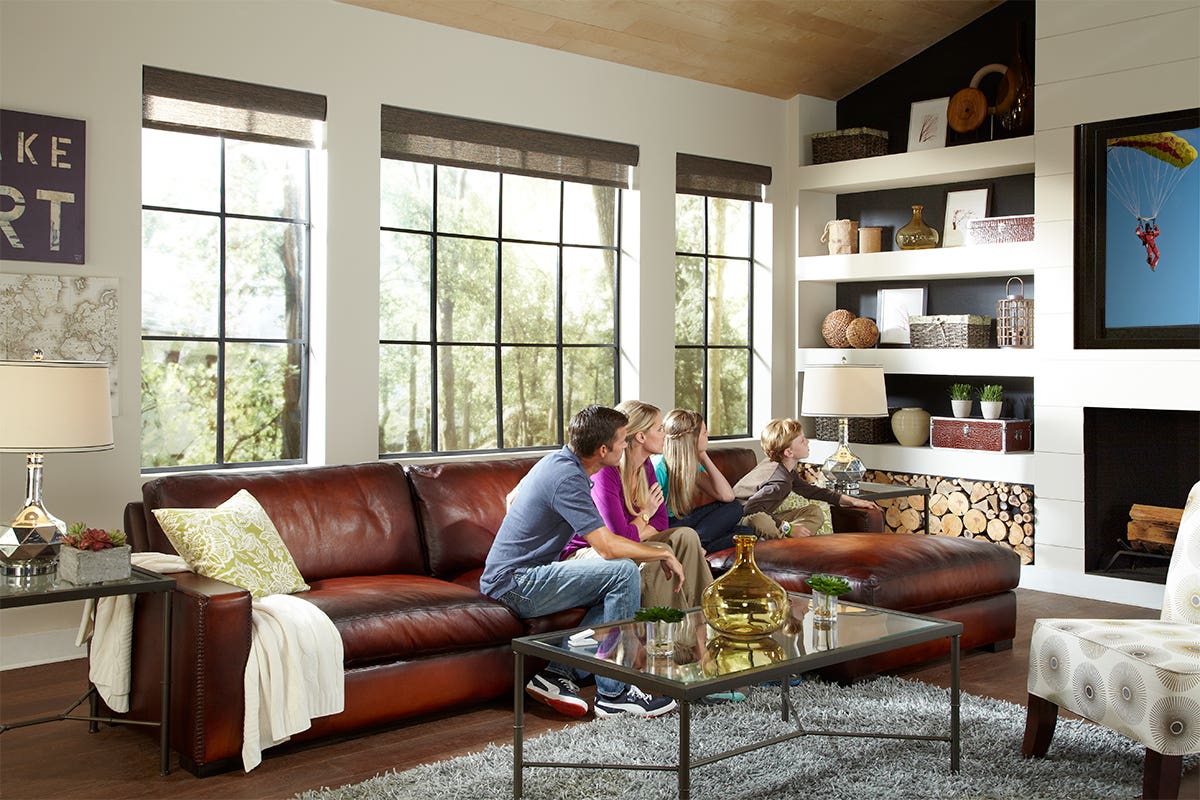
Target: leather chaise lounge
[{"x": 393, "y": 556}]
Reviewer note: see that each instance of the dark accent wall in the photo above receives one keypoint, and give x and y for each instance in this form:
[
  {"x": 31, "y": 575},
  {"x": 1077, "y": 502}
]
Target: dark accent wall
[{"x": 939, "y": 71}]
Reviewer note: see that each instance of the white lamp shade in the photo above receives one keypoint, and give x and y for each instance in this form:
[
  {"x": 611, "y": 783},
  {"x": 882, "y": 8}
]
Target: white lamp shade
[
  {"x": 844, "y": 390},
  {"x": 54, "y": 406}
]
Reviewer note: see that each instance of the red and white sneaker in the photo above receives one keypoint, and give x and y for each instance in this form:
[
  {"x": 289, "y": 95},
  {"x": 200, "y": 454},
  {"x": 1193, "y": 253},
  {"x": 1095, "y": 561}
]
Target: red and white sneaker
[{"x": 558, "y": 692}]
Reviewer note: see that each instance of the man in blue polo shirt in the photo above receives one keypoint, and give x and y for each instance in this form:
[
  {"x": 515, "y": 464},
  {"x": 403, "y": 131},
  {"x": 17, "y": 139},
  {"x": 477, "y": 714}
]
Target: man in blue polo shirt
[{"x": 551, "y": 504}]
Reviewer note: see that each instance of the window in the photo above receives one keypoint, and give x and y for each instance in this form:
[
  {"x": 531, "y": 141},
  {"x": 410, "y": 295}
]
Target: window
[
  {"x": 499, "y": 265},
  {"x": 714, "y": 258},
  {"x": 225, "y": 270}
]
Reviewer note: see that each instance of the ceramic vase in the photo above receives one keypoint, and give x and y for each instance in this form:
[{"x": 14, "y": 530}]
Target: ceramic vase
[
  {"x": 745, "y": 603},
  {"x": 962, "y": 408},
  {"x": 991, "y": 408},
  {"x": 911, "y": 426},
  {"x": 916, "y": 235}
]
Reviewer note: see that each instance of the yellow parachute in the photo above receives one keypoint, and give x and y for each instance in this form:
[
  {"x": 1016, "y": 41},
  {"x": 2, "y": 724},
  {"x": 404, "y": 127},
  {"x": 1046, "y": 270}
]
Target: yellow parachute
[
  {"x": 1144, "y": 169},
  {"x": 1175, "y": 150}
]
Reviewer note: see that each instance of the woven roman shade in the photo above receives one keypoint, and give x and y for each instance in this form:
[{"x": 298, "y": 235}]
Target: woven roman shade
[
  {"x": 460, "y": 142},
  {"x": 186, "y": 103},
  {"x": 716, "y": 177}
]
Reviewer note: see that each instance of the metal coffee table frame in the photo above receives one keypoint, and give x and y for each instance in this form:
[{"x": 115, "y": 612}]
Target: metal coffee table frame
[{"x": 685, "y": 693}]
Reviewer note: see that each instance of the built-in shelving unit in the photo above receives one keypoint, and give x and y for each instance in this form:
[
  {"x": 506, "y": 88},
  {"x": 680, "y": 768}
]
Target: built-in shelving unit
[{"x": 976, "y": 464}]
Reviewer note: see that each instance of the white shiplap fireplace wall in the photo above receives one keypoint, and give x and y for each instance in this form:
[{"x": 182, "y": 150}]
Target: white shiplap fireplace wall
[{"x": 1095, "y": 61}]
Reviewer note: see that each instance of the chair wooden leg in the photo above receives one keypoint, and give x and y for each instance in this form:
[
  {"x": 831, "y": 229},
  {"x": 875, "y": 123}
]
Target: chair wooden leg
[
  {"x": 1040, "y": 718},
  {"x": 1160, "y": 776}
]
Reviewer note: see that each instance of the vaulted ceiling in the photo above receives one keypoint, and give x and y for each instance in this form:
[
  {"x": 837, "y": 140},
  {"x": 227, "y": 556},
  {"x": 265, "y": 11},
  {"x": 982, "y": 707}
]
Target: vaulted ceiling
[{"x": 779, "y": 48}]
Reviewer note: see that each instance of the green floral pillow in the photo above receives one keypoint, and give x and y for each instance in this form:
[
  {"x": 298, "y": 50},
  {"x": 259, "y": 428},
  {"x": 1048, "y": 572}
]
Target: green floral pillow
[
  {"x": 794, "y": 501},
  {"x": 235, "y": 542}
]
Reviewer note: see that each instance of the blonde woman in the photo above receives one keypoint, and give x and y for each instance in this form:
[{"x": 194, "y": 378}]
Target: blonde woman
[
  {"x": 685, "y": 470},
  {"x": 630, "y": 502}
]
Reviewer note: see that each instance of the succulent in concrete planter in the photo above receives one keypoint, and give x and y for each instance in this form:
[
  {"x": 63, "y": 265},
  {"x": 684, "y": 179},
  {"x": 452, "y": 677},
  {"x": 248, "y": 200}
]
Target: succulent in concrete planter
[{"x": 93, "y": 555}]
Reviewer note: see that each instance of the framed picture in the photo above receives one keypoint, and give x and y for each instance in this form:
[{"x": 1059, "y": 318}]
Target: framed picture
[
  {"x": 1137, "y": 245},
  {"x": 895, "y": 308},
  {"x": 927, "y": 124},
  {"x": 962, "y": 206}
]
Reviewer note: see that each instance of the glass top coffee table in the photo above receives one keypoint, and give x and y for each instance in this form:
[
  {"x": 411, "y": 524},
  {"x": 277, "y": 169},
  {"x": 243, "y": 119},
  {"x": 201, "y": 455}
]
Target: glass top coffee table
[{"x": 704, "y": 663}]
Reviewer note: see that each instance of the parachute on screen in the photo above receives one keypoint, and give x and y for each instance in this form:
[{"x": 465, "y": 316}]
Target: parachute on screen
[{"x": 1143, "y": 171}]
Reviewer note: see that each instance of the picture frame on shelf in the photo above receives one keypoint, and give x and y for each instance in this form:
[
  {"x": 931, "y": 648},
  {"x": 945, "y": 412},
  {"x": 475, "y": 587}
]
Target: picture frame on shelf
[
  {"x": 927, "y": 124},
  {"x": 896, "y": 306},
  {"x": 962, "y": 206},
  {"x": 1137, "y": 247}
]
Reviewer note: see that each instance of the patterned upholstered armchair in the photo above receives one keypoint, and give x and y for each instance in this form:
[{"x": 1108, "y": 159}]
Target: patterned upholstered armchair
[{"x": 1138, "y": 677}]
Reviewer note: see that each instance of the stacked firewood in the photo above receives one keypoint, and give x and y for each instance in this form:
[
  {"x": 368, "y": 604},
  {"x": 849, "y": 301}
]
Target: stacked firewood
[
  {"x": 994, "y": 511},
  {"x": 1152, "y": 529}
]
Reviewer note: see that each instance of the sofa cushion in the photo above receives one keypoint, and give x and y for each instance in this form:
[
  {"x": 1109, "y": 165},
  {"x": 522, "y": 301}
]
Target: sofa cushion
[
  {"x": 234, "y": 542},
  {"x": 355, "y": 519},
  {"x": 386, "y": 618},
  {"x": 461, "y": 506}
]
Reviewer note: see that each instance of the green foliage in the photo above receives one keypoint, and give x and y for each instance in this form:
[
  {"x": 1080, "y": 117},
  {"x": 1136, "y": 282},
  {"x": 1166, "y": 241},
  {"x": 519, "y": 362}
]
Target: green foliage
[
  {"x": 658, "y": 614},
  {"x": 829, "y": 584},
  {"x": 991, "y": 393},
  {"x": 960, "y": 391}
]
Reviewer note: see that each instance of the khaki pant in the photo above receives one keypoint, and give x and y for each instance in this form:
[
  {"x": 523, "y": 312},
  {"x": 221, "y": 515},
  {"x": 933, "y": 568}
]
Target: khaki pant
[
  {"x": 658, "y": 586},
  {"x": 767, "y": 525}
]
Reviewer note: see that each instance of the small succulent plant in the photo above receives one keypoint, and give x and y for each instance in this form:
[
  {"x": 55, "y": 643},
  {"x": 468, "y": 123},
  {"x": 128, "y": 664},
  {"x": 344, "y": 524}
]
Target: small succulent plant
[
  {"x": 658, "y": 614},
  {"x": 834, "y": 585},
  {"x": 81, "y": 537}
]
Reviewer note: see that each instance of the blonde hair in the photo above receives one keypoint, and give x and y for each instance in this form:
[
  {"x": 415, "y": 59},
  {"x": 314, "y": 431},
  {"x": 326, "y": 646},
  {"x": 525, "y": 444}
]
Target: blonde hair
[
  {"x": 778, "y": 436},
  {"x": 681, "y": 457},
  {"x": 636, "y": 490}
]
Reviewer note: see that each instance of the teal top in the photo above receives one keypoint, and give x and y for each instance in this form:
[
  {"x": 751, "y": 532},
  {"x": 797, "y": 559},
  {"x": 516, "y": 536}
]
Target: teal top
[{"x": 660, "y": 470}]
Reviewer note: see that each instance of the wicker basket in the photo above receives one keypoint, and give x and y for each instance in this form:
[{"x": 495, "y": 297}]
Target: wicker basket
[
  {"x": 862, "y": 430},
  {"x": 950, "y": 330},
  {"x": 848, "y": 144}
]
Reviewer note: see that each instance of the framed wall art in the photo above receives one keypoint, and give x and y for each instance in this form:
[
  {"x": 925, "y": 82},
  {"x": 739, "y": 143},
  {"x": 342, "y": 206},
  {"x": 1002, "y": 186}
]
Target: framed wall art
[
  {"x": 896, "y": 306},
  {"x": 1137, "y": 244},
  {"x": 927, "y": 124},
  {"x": 962, "y": 206}
]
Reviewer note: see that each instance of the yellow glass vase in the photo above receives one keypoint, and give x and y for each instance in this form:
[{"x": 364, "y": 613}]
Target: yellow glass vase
[
  {"x": 916, "y": 235},
  {"x": 745, "y": 603}
]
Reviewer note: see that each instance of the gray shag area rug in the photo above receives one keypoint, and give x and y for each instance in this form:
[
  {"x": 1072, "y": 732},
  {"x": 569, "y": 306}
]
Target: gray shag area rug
[{"x": 1084, "y": 761}]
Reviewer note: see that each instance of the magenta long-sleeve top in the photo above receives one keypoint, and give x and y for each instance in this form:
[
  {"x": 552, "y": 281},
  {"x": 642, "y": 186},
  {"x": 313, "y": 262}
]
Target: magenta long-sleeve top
[{"x": 609, "y": 496}]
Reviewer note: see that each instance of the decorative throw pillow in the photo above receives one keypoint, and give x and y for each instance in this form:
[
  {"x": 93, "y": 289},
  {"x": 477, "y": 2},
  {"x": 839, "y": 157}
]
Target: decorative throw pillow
[
  {"x": 794, "y": 501},
  {"x": 235, "y": 542}
]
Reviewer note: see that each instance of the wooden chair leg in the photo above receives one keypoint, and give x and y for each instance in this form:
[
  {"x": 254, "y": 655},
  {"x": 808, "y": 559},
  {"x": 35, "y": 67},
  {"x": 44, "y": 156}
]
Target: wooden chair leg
[
  {"x": 1040, "y": 718},
  {"x": 1160, "y": 776}
]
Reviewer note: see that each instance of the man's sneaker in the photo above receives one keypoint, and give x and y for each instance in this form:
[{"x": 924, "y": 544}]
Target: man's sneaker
[
  {"x": 633, "y": 701},
  {"x": 558, "y": 692}
]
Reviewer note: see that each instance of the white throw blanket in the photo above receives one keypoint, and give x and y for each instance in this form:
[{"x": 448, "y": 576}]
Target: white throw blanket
[{"x": 293, "y": 675}]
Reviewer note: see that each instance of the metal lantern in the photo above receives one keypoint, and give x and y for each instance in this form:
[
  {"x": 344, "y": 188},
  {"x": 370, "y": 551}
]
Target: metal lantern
[{"x": 1014, "y": 318}]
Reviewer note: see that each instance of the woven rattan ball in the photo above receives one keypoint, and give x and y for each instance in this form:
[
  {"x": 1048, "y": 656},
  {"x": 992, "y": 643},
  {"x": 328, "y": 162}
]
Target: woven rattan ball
[
  {"x": 862, "y": 332},
  {"x": 833, "y": 329}
]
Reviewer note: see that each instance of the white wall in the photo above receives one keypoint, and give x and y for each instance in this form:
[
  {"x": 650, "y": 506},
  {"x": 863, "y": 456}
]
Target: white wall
[
  {"x": 1095, "y": 61},
  {"x": 83, "y": 60}
]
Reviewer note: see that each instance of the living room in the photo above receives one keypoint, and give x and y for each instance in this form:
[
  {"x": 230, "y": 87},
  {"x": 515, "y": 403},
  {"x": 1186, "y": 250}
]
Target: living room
[{"x": 84, "y": 60}]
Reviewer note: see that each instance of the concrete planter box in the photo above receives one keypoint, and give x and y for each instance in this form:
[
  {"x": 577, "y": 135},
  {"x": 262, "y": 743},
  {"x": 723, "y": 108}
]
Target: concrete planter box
[{"x": 93, "y": 566}]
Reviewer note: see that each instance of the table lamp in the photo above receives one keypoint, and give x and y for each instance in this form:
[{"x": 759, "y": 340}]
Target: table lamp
[
  {"x": 842, "y": 391},
  {"x": 47, "y": 407}
]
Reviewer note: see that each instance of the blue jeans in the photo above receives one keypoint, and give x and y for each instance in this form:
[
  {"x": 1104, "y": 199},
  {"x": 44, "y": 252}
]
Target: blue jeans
[
  {"x": 610, "y": 590},
  {"x": 715, "y": 523}
]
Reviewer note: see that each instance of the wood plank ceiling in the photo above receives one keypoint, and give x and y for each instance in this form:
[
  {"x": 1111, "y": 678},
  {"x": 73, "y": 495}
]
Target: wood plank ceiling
[{"x": 779, "y": 48}]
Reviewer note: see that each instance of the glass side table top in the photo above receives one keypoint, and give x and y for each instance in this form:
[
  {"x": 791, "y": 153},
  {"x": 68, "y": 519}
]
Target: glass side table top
[
  {"x": 701, "y": 657},
  {"x": 40, "y": 590}
]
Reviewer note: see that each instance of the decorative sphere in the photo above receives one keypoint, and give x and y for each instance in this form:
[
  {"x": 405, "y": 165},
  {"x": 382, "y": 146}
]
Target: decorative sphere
[
  {"x": 862, "y": 332},
  {"x": 833, "y": 329}
]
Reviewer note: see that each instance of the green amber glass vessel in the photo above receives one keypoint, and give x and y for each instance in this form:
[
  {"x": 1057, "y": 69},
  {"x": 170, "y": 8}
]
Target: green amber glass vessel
[
  {"x": 916, "y": 235},
  {"x": 745, "y": 604}
]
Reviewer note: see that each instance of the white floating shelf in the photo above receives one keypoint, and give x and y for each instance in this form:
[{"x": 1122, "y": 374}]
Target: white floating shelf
[
  {"x": 966, "y": 162},
  {"x": 975, "y": 261},
  {"x": 927, "y": 360},
  {"x": 973, "y": 464}
]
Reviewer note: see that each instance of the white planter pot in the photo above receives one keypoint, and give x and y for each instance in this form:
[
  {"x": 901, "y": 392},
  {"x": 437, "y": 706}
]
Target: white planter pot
[
  {"x": 991, "y": 408},
  {"x": 962, "y": 408}
]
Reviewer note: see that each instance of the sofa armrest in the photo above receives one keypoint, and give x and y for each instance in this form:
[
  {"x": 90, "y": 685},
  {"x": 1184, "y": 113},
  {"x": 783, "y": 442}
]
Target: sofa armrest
[
  {"x": 210, "y": 644},
  {"x": 856, "y": 520}
]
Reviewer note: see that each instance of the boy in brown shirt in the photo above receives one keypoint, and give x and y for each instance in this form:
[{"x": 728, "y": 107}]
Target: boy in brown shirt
[{"x": 768, "y": 492}]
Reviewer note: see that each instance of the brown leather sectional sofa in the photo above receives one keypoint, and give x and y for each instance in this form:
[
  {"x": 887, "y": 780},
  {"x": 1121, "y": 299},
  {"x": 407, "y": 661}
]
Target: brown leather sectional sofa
[{"x": 393, "y": 555}]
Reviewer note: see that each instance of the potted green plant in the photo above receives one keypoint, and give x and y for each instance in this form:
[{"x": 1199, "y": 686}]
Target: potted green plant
[
  {"x": 960, "y": 399},
  {"x": 826, "y": 589},
  {"x": 991, "y": 400},
  {"x": 92, "y": 555},
  {"x": 658, "y": 624}
]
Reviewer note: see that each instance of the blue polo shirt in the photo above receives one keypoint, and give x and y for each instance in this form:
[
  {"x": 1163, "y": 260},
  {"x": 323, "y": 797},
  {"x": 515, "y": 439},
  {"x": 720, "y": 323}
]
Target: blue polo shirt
[{"x": 553, "y": 503}]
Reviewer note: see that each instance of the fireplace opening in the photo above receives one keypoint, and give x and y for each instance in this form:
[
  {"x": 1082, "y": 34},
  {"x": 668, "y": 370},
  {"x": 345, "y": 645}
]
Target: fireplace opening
[{"x": 1133, "y": 456}]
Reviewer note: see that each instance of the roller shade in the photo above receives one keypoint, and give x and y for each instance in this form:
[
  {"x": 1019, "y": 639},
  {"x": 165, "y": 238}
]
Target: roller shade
[
  {"x": 460, "y": 142},
  {"x": 716, "y": 177},
  {"x": 186, "y": 103}
]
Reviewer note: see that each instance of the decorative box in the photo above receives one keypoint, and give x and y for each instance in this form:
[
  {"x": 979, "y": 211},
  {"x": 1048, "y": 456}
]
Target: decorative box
[
  {"x": 1000, "y": 230},
  {"x": 848, "y": 144},
  {"x": 973, "y": 433},
  {"x": 950, "y": 330},
  {"x": 863, "y": 430},
  {"x": 93, "y": 566}
]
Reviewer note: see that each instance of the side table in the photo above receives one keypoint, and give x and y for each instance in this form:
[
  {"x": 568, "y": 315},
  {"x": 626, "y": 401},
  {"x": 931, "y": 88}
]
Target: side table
[
  {"x": 18, "y": 595},
  {"x": 882, "y": 491}
]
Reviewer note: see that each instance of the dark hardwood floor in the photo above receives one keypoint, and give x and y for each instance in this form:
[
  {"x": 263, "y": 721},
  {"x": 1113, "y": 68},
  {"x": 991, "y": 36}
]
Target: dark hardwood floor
[{"x": 62, "y": 760}]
